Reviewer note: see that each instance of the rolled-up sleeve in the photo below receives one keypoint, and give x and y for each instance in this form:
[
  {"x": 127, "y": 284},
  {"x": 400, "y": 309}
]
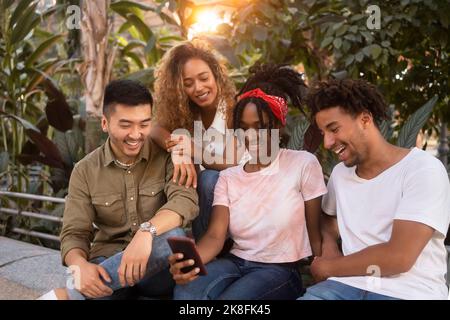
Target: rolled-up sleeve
[
  {"x": 77, "y": 230},
  {"x": 182, "y": 200}
]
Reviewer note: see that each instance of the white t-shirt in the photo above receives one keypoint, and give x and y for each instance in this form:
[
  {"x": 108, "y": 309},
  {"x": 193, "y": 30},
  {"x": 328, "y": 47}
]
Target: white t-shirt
[
  {"x": 267, "y": 207},
  {"x": 415, "y": 189}
]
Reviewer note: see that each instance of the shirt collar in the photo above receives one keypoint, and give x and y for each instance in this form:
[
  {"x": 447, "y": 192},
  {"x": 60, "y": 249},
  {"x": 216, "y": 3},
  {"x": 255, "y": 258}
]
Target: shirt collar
[
  {"x": 219, "y": 122},
  {"x": 143, "y": 154}
]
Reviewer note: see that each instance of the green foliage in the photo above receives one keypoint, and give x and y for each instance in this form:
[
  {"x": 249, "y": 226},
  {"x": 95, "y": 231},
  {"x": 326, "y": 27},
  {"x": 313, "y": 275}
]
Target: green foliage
[
  {"x": 27, "y": 88},
  {"x": 408, "y": 133},
  {"x": 407, "y": 57},
  {"x": 141, "y": 47}
]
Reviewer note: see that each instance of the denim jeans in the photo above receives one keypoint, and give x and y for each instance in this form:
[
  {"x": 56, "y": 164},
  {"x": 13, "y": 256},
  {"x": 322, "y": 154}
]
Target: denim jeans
[
  {"x": 156, "y": 277},
  {"x": 334, "y": 290},
  {"x": 233, "y": 278},
  {"x": 207, "y": 180}
]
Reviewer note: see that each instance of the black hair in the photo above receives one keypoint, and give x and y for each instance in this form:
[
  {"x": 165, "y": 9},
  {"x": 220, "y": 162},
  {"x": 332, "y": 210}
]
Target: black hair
[
  {"x": 354, "y": 96},
  {"x": 126, "y": 92},
  {"x": 274, "y": 79}
]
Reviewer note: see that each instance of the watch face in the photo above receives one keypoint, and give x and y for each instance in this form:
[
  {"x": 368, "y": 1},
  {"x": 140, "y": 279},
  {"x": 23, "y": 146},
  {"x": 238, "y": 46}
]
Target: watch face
[{"x": 147, "y": 226}]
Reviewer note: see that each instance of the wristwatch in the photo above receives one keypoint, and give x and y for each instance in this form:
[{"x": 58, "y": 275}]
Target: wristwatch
[{"x": 148, "y": 227}]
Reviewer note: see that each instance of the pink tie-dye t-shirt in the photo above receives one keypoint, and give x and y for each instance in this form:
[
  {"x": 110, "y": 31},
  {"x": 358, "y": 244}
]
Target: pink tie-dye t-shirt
[{"x": 267, "y": 208}]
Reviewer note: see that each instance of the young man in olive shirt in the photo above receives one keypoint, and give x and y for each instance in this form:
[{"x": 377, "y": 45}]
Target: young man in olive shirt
[{"x": 124, "y": 188}]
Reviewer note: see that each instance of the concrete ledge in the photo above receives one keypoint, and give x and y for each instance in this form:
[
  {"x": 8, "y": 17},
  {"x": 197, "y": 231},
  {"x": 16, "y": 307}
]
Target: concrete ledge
[{"x": 27, "y": 270}]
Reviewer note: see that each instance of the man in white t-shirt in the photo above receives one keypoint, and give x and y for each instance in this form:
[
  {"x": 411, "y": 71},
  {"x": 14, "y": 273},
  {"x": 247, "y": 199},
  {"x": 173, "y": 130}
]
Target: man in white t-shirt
[{"x": 390, "y": 206}]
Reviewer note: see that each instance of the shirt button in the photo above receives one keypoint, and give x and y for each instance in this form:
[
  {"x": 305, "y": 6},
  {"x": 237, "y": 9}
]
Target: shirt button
[
  {"x": 131, "y": 198},
  {"x": 106, "y": 203},
  {"x": 134, "y": 223},
  {"x": 153, "y": 193},
  {"x": 129, "y": 171}
]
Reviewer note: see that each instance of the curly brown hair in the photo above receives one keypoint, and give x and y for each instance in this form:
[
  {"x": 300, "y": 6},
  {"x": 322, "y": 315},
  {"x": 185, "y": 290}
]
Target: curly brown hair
[
  {"x": 354, "y": 96},
  {"x": 173, "y": 109}
]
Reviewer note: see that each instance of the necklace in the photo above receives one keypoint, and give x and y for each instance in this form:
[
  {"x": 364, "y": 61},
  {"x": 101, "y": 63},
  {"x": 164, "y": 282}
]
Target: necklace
[{"x": 121, "y": 164}]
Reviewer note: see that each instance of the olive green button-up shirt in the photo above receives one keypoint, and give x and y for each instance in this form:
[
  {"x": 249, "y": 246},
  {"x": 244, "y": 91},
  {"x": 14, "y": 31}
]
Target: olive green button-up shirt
[{"x": 118, "y": 200}]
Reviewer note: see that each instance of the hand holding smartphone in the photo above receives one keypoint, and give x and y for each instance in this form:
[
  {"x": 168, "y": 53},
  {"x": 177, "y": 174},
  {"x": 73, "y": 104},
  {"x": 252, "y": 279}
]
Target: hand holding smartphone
[{"x": 186, "y": 246}]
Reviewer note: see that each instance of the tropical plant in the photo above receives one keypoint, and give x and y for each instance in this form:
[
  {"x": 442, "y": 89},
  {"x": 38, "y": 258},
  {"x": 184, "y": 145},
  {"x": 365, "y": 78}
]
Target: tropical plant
[
  {"x": 36, "y": 120},
  {"x": 32, "y": 100}
]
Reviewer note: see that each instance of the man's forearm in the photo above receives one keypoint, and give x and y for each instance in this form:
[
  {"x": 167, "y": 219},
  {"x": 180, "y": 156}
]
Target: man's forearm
[
  {"x": 166, "y": 220},
  {"x": 376, "y": 260}
]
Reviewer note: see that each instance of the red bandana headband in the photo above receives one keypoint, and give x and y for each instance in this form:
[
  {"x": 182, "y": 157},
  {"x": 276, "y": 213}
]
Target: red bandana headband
[{"x": 277, "y": 104}]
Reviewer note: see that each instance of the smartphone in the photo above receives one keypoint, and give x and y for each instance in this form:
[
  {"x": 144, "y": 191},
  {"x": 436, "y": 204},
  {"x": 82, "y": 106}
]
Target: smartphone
[{"x": 186, "y": 246}]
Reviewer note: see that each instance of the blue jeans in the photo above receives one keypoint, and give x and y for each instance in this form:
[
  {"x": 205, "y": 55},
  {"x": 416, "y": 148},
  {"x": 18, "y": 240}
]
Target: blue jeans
[
  {"x": 233, "y": 278},
  {"x": 334, "y": 290},
  {"x": 157, "y": 279},
  {"x": 207, "y": 180}
]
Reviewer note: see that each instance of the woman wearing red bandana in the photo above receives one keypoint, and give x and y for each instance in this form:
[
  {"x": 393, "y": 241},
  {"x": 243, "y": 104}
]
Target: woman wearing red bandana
[{"x": 269, "y": 206}]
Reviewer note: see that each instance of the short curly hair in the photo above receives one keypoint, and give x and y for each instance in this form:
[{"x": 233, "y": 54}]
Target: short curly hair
[
  {"x": 173, "y": 109},
  {"x": 354, "y": 96}
]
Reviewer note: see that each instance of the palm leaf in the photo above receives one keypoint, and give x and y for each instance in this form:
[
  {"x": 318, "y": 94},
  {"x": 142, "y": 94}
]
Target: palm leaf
[
  {"x": 296, "y": 140},
  {"x": 128, "y": 5},
  {"x": 25, "y": 24},
  {"x": 140, "y": 25},
  {"x": 408, "y": 133},
  {"x": 20, "y": 8},
  {"x": 42, "y": 48}
]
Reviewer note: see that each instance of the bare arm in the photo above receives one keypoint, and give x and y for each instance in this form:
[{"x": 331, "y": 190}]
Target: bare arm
[
  {"x": 330, "y": 236},
  {"x": 184, "y": 171},
  {"x": 312, "y": 214},
  {"x": 166, "y": 220},
  {"x": 396, "y": 256},
  {"x": 159, "y": 134},
  {"x": 212, "y": 242}
]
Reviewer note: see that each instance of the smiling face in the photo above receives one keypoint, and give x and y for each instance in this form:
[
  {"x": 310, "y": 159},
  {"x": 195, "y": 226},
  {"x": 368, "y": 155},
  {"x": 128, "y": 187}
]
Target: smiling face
[
  {"x": 128, "y": 128},
  {"x": 344, "y": 134},
  {"x": 251, "y": 124},
  {"x": 199, "y": 83}
]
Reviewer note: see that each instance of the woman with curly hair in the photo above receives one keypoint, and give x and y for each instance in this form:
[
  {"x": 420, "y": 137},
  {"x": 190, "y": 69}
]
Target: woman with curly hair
[
  {"x": 192, "y": 85},
  {"x": 271, "y": 209}
]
